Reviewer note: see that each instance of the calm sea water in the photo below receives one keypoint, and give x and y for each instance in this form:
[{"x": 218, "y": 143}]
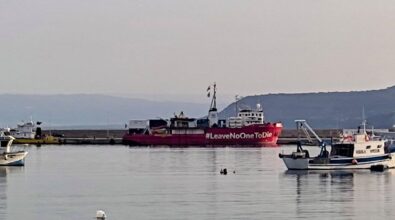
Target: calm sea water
[{"x": 72, "y": 182}]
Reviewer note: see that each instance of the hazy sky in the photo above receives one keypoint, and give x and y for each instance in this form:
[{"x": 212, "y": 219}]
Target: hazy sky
[{"x": 180, "y": 46}]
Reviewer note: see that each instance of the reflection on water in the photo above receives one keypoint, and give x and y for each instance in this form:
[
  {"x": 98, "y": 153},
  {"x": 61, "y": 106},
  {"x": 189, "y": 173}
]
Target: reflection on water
[
  {"x": 351, "y": 194},
  {"x": 3, "y": 194},
  {"x": 72, "y": 182},
  {"x": 4, "y": 171}
]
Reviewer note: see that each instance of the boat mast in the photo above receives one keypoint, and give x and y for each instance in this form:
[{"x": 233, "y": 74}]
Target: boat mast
[{"x": 363, "y": 120}]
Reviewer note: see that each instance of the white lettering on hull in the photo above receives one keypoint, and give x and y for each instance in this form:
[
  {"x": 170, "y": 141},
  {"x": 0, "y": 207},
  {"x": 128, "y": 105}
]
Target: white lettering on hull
[{"x": 232, "y": 135}]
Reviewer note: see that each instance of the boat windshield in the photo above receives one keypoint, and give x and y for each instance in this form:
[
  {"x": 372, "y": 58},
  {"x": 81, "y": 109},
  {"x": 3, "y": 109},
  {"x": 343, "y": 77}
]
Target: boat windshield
[{"x": 344, "y": 150}]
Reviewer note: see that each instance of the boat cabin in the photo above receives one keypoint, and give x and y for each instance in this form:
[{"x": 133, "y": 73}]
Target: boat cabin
[{"x": 359, "y": 147}]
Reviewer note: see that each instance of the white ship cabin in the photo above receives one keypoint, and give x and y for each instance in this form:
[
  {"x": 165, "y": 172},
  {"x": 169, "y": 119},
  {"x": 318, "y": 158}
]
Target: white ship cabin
[
  {"x": 247, "y": 117},
  {"x": 358, "y": 146},
  {"x": 24, "y": 130}
]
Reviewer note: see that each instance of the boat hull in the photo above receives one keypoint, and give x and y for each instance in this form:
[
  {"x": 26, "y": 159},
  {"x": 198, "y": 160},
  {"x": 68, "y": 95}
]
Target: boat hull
[
  {"x": 13, "y": 159},
  {"x": 253, "y": 135},
  {"x": 339, "y": 163}
]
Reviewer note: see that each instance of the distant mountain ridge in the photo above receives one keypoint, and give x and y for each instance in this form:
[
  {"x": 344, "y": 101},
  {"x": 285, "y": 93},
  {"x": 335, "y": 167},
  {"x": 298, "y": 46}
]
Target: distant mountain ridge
[
  {"x": 80, "y": 109},
  {"x": 322, "y": 110},
  {"x": 326, "y": 109}
]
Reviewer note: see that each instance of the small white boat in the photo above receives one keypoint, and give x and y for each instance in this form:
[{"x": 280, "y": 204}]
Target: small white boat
[
  {"x": 354, "y": 152},
  {"x": 8, "y": 157}
]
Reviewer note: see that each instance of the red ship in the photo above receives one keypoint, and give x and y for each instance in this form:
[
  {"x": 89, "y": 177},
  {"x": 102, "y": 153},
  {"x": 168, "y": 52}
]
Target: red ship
[{"x": 247, "y": 128}]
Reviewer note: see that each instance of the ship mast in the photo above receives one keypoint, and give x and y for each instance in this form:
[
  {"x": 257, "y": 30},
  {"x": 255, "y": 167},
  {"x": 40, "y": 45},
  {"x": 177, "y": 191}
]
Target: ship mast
[
  {"x": 212, "y": 113},
  {"x": 213, "y": 106}
]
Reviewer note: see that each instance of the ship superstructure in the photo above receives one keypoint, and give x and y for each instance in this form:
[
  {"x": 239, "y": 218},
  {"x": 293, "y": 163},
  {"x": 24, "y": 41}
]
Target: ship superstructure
[{"x": 248, "y": 127}]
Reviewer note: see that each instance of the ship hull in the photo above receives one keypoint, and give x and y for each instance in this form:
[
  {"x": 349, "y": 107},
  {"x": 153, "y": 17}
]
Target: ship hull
[{"x": 253, "y": 135}]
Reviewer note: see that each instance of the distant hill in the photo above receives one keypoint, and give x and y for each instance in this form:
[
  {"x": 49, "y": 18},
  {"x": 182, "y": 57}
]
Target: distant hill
[
  {"x": 88, "y": 110},
  {"x": 326, "y": 110},
  {"x": 322, "y": 110}
]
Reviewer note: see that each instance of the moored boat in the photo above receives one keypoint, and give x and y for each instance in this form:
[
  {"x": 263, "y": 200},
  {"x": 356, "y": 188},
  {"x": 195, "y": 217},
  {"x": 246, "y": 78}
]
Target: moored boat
[
  {"x": 7, "y": 156},
  {"x": 248, "y": 127},
  {"x": 358, "y": 151},
  {"x": 31, "y": 133}
]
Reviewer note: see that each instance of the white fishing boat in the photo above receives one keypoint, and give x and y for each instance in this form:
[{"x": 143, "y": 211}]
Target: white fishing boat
[
  {"x": 26, "y": 130},
  {"x": 7, "y": 156},
  {"x": 358, "y": 151},
  {"x": 31, "y": 133}
]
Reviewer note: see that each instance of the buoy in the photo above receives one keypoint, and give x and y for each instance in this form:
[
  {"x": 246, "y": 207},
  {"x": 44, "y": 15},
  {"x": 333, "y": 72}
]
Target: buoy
[
  {"x": 354, "y": 162},
  {"x": 100, "y": 214}
]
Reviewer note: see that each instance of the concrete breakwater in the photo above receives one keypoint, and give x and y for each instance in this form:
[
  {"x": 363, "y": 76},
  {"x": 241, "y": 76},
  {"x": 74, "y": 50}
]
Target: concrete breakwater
[
  {"x": 99, "y": 136},
  {"x": 105, "y": 137},
  {"x": 290, "y": 136}
]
